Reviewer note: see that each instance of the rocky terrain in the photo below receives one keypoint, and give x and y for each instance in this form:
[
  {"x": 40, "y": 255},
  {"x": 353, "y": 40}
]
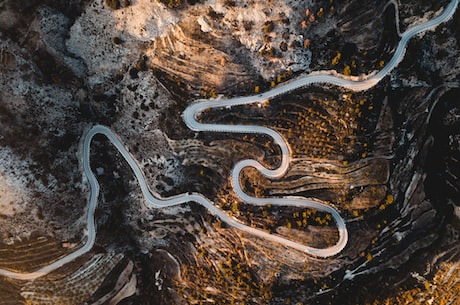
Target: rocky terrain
[{"x": 387, "y": 158}]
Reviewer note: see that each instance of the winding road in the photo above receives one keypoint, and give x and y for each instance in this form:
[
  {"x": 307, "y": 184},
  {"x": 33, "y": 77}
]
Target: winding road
[{"x": 190, "y": 118}]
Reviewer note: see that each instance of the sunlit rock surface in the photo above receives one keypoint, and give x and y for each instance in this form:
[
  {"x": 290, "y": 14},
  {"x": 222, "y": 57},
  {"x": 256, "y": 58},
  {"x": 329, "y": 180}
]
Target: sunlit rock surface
[{"x": 387, "y": 158}]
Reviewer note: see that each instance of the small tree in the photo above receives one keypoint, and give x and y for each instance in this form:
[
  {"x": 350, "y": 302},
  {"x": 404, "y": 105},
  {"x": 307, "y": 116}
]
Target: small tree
[{"x": 336, "y": 59}]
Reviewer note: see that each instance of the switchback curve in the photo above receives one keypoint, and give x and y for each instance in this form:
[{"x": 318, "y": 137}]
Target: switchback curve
[{"x": 189, "y": 117}]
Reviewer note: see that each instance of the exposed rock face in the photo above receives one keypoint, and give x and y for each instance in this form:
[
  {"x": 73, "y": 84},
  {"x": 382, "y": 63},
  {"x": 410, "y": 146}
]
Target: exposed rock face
[{"x": 387, "y": 158}]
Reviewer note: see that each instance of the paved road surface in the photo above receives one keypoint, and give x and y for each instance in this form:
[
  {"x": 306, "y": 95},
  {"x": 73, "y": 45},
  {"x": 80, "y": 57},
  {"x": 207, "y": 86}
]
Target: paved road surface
[{"x": 189, "y": 117}]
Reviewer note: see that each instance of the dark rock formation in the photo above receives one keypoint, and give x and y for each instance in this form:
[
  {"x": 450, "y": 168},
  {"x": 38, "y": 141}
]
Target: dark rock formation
[{"x": 387, "y": 158}]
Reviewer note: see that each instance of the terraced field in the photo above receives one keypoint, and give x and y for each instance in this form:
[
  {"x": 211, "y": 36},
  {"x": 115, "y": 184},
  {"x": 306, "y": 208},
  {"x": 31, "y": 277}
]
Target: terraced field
[
  {"x": 31, "y": 254},
  {"x": 73, "y": 286}
]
